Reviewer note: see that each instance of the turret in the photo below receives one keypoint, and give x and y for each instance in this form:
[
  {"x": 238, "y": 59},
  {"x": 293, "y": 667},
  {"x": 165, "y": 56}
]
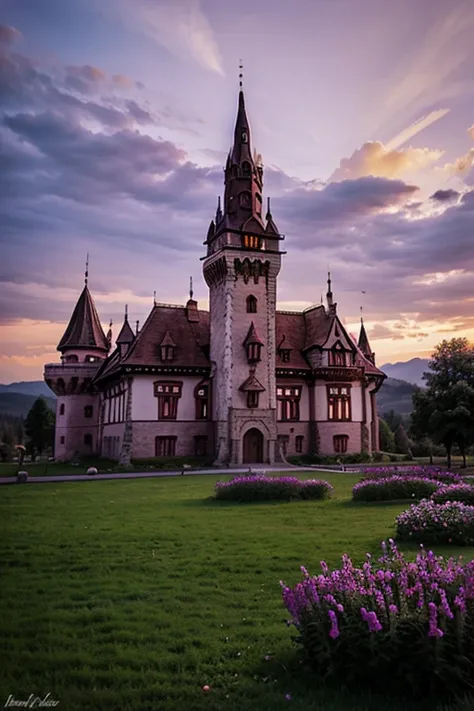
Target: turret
[
  {"x": 364, "y": 344},
  {"x": 83, "y": 348},
  {"x": 126, "y": 336}
]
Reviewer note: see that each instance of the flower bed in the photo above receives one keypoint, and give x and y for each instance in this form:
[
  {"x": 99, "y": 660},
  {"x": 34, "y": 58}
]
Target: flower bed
[
  {"x": 393, "y": 626},
  {"x": 455, "y": 492},
  {"x": 394, "y": 487},
  {"x": 428, "y": 522},
  {"x": 427, "y": 472},
  {"x": 265, "y": 488}
]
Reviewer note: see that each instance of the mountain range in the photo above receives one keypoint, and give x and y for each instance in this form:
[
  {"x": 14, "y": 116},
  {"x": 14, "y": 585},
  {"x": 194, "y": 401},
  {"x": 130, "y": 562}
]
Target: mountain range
[
  {"x": 16, "y": 399},
  {"x": 411, "y": 370}
]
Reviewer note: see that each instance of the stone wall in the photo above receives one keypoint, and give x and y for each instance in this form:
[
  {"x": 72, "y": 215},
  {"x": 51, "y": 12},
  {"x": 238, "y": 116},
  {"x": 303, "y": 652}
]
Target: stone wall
[
  {"x": 327, "y": 430},
  {"x": 144, "y": 434},
  {"x": 73, "y": 425}
]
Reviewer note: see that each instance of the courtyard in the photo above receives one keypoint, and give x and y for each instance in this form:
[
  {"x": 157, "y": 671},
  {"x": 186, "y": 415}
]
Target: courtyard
[{"x": 137, "y": 594}]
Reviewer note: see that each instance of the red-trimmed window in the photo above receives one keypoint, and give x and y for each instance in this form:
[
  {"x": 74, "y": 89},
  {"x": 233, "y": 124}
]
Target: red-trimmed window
[
  {"x": 254, "y": 352},
  {"x": 337, "y": 357},
  {"x": 340, "y": 443},
  {"x": 299, "y": 440},
  {"x": 251, "y": 242},
  {"x": 288, "y": 402},
  {"x": 201, "y": 396},
  {"x": 168, "y": 395},
  {"x": 284, "y": 354},
  {"x": 165, "y": 446},
  {"x": 339, "y": 403},
  {"x": 167, "y": 353}
]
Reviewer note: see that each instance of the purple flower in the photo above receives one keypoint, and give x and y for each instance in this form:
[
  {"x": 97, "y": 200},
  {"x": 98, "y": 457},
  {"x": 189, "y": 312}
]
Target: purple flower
[{"x": 334, "y": 631}]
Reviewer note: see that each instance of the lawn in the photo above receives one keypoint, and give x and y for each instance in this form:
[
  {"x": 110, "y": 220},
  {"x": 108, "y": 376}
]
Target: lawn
[{"x": 134, "y": 594}]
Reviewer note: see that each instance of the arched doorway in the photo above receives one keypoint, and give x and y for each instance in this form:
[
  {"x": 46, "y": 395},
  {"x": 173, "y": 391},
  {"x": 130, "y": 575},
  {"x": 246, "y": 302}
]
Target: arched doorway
[{"x": 253, "y": 446}]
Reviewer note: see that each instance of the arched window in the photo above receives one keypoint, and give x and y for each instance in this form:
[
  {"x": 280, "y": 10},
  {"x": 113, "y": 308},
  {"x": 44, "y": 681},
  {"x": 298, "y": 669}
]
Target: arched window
[
  {"x": 71, "y": 359},
  {"x": 61, "y": 409},
  {"x": 246, "y": 169},
  {"x": 244, "y": 137},
  {"x": 245, "y": 200},
  {"x": 251, "y": 304},
  {"x": 233, "y": 171}
]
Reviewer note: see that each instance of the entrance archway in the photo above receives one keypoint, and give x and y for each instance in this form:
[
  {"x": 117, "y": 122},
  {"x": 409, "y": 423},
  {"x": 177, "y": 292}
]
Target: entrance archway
[{"x": 253, "y": 447}]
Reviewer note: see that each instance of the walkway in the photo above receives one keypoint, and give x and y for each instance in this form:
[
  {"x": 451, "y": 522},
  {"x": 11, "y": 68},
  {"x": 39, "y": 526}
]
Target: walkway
[{"x": 152, "y": 475}]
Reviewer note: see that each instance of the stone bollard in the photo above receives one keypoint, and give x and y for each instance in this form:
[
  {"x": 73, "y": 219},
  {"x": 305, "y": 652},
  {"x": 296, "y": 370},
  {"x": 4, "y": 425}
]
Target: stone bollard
[
  {"x": 91, "y": 471},
  {"x": 22, "y": 477}
]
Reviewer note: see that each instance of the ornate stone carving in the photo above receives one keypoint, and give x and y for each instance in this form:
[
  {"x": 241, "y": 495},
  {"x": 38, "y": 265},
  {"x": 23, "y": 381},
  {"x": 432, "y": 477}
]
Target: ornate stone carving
[
  {"x": 127, "y": 442},
  {"x": 251, "y": 269}
]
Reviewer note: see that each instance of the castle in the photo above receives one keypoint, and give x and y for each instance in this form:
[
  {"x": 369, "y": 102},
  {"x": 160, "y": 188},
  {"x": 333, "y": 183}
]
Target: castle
[{"x": 240, "y": 383}]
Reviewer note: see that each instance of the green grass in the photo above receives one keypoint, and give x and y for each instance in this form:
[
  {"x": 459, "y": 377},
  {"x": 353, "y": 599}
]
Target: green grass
[{"x": 124, "y": 595}]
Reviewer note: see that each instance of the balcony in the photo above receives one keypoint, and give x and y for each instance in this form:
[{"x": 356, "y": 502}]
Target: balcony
[{"x": 71, "y": 370}]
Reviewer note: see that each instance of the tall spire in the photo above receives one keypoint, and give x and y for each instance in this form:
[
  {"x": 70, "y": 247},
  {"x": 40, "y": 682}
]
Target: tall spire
[
  {"x": 329, "y": 291},
  {"x": 86, "y": 273},
  {"x": 191, "y": 287},
  {"x": 363, "y": 342},
  {"x": 84, "y": 329},
  {"x": 126, "y": 334}
]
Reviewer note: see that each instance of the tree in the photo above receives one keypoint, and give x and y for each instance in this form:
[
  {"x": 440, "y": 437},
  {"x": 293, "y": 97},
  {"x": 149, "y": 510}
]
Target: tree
[
  {"x": 402, "y": 443},
  {"x": 444, "y": 410},
  {"x": 386, "y": 437},
  {"x": 393, "y": 420},
  {"x": 39, "y": 426}
]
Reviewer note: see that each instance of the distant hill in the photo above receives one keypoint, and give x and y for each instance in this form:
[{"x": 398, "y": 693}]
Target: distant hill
[
  {"x": 19, "y": 404},
  {"x": 396, "y": 395},
  {"x": 410, "y": 371},
  {"x": 34, "y": 387}
]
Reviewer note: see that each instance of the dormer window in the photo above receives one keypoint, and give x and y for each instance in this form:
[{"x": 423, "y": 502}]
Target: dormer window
[
  {"x": 251, "y": 242},
  {"x": 337, "y": 356},
  {"x": 254, "y": 351},
  {"x": 167, "y": 352},
  {"x": 285, "y": 355},
  {"x": 167, "y": 348},
  {"x": 251, "y": 304}
]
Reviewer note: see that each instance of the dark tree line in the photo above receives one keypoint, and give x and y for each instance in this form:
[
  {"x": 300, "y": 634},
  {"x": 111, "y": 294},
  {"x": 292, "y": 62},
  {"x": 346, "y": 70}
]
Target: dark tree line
[{"x": 36, "y": 431}]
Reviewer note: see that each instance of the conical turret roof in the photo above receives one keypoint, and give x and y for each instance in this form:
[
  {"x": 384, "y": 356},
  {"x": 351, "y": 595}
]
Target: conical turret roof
[{"x": 84, "y": 329}]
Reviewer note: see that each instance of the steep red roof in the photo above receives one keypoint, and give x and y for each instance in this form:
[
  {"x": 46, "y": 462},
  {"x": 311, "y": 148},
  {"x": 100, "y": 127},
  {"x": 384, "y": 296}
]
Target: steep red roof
[
  {"x": 318, "y": 325},
  {"x": 252, "y": 336},
  {"x": 290, "y": 334},
  {"x": 171, "y": 322},
  {"x": 84, "y": 329},
  {"x": 126, "y": 334}
]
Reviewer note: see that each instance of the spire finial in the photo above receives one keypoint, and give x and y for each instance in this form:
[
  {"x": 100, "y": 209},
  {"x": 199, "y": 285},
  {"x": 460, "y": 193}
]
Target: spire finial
[
  {"x": 241, "y": 74},
  {"x": 154, "y": 298},
  {"x": 329, "y": 282},
  {"x": 269, "y": 212},
  {"x": 361, "y": 316},
  {"x": 126, "y": 312},
  {"x": 111, "y": 323},
  {"x": 191, "y": 287},
  {"x": 137, "y": 326},
  {"x": 86, "y": 273}
]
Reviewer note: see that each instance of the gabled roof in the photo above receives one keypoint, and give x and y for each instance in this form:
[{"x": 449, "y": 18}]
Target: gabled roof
[
  {"x": 290, "y": 329},
  {"x": 169, "y": 325},
  {"x": 84, "y": 329},
  {"x": 318, "y": 326},
  {"x": 126, "y": 334},
  {"x": 252, "y": 385}
]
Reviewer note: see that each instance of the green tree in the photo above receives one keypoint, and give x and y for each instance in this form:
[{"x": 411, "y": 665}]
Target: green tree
[
  {"x": 393, "y": 420},
  {"x": 444, "y": 411},
  {"x": 386, "y": 437},
  {"x": 402, "y": 443},
  {"x": 39, "y": 427}
]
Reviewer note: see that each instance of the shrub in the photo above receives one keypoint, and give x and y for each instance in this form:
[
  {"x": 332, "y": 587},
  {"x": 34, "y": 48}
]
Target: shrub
[
  {"x": 377, "y": 456},
  {"x": 428, "y": 522},
  {"x": 394, "y": 626},
  {"x": 427, "y": 472},
  {"x": 455, "y": 492},
  {"x": 264, "y": 488},
  {"x": 394, "y": 487}
]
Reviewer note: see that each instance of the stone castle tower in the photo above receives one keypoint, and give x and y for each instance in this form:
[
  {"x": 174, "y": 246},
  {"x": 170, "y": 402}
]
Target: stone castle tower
[
  {"x": 241, "y": 268},
  {"x": 83, "y": 348}
]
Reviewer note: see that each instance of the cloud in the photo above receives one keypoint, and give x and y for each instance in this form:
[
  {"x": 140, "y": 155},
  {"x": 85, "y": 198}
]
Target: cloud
[
  {"x": 448, "y": 195},
  {"x": 180, "y": 26},
  {"x": 462, "y": 165},
  {"x": 415, "y": 128},
  {"x": 8, "y": 35},
  {"x": 375, "y": 159}
]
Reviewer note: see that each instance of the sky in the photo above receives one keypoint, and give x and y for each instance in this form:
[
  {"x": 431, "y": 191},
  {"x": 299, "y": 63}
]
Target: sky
[{"x": 115, "y": 120}]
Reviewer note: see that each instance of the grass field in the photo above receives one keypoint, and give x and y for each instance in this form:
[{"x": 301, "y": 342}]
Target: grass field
[{"x": 134, "y": 594}]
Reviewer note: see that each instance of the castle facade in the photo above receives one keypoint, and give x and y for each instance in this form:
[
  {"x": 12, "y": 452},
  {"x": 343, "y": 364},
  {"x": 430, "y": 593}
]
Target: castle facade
[{"x": 242, "y": 382}]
